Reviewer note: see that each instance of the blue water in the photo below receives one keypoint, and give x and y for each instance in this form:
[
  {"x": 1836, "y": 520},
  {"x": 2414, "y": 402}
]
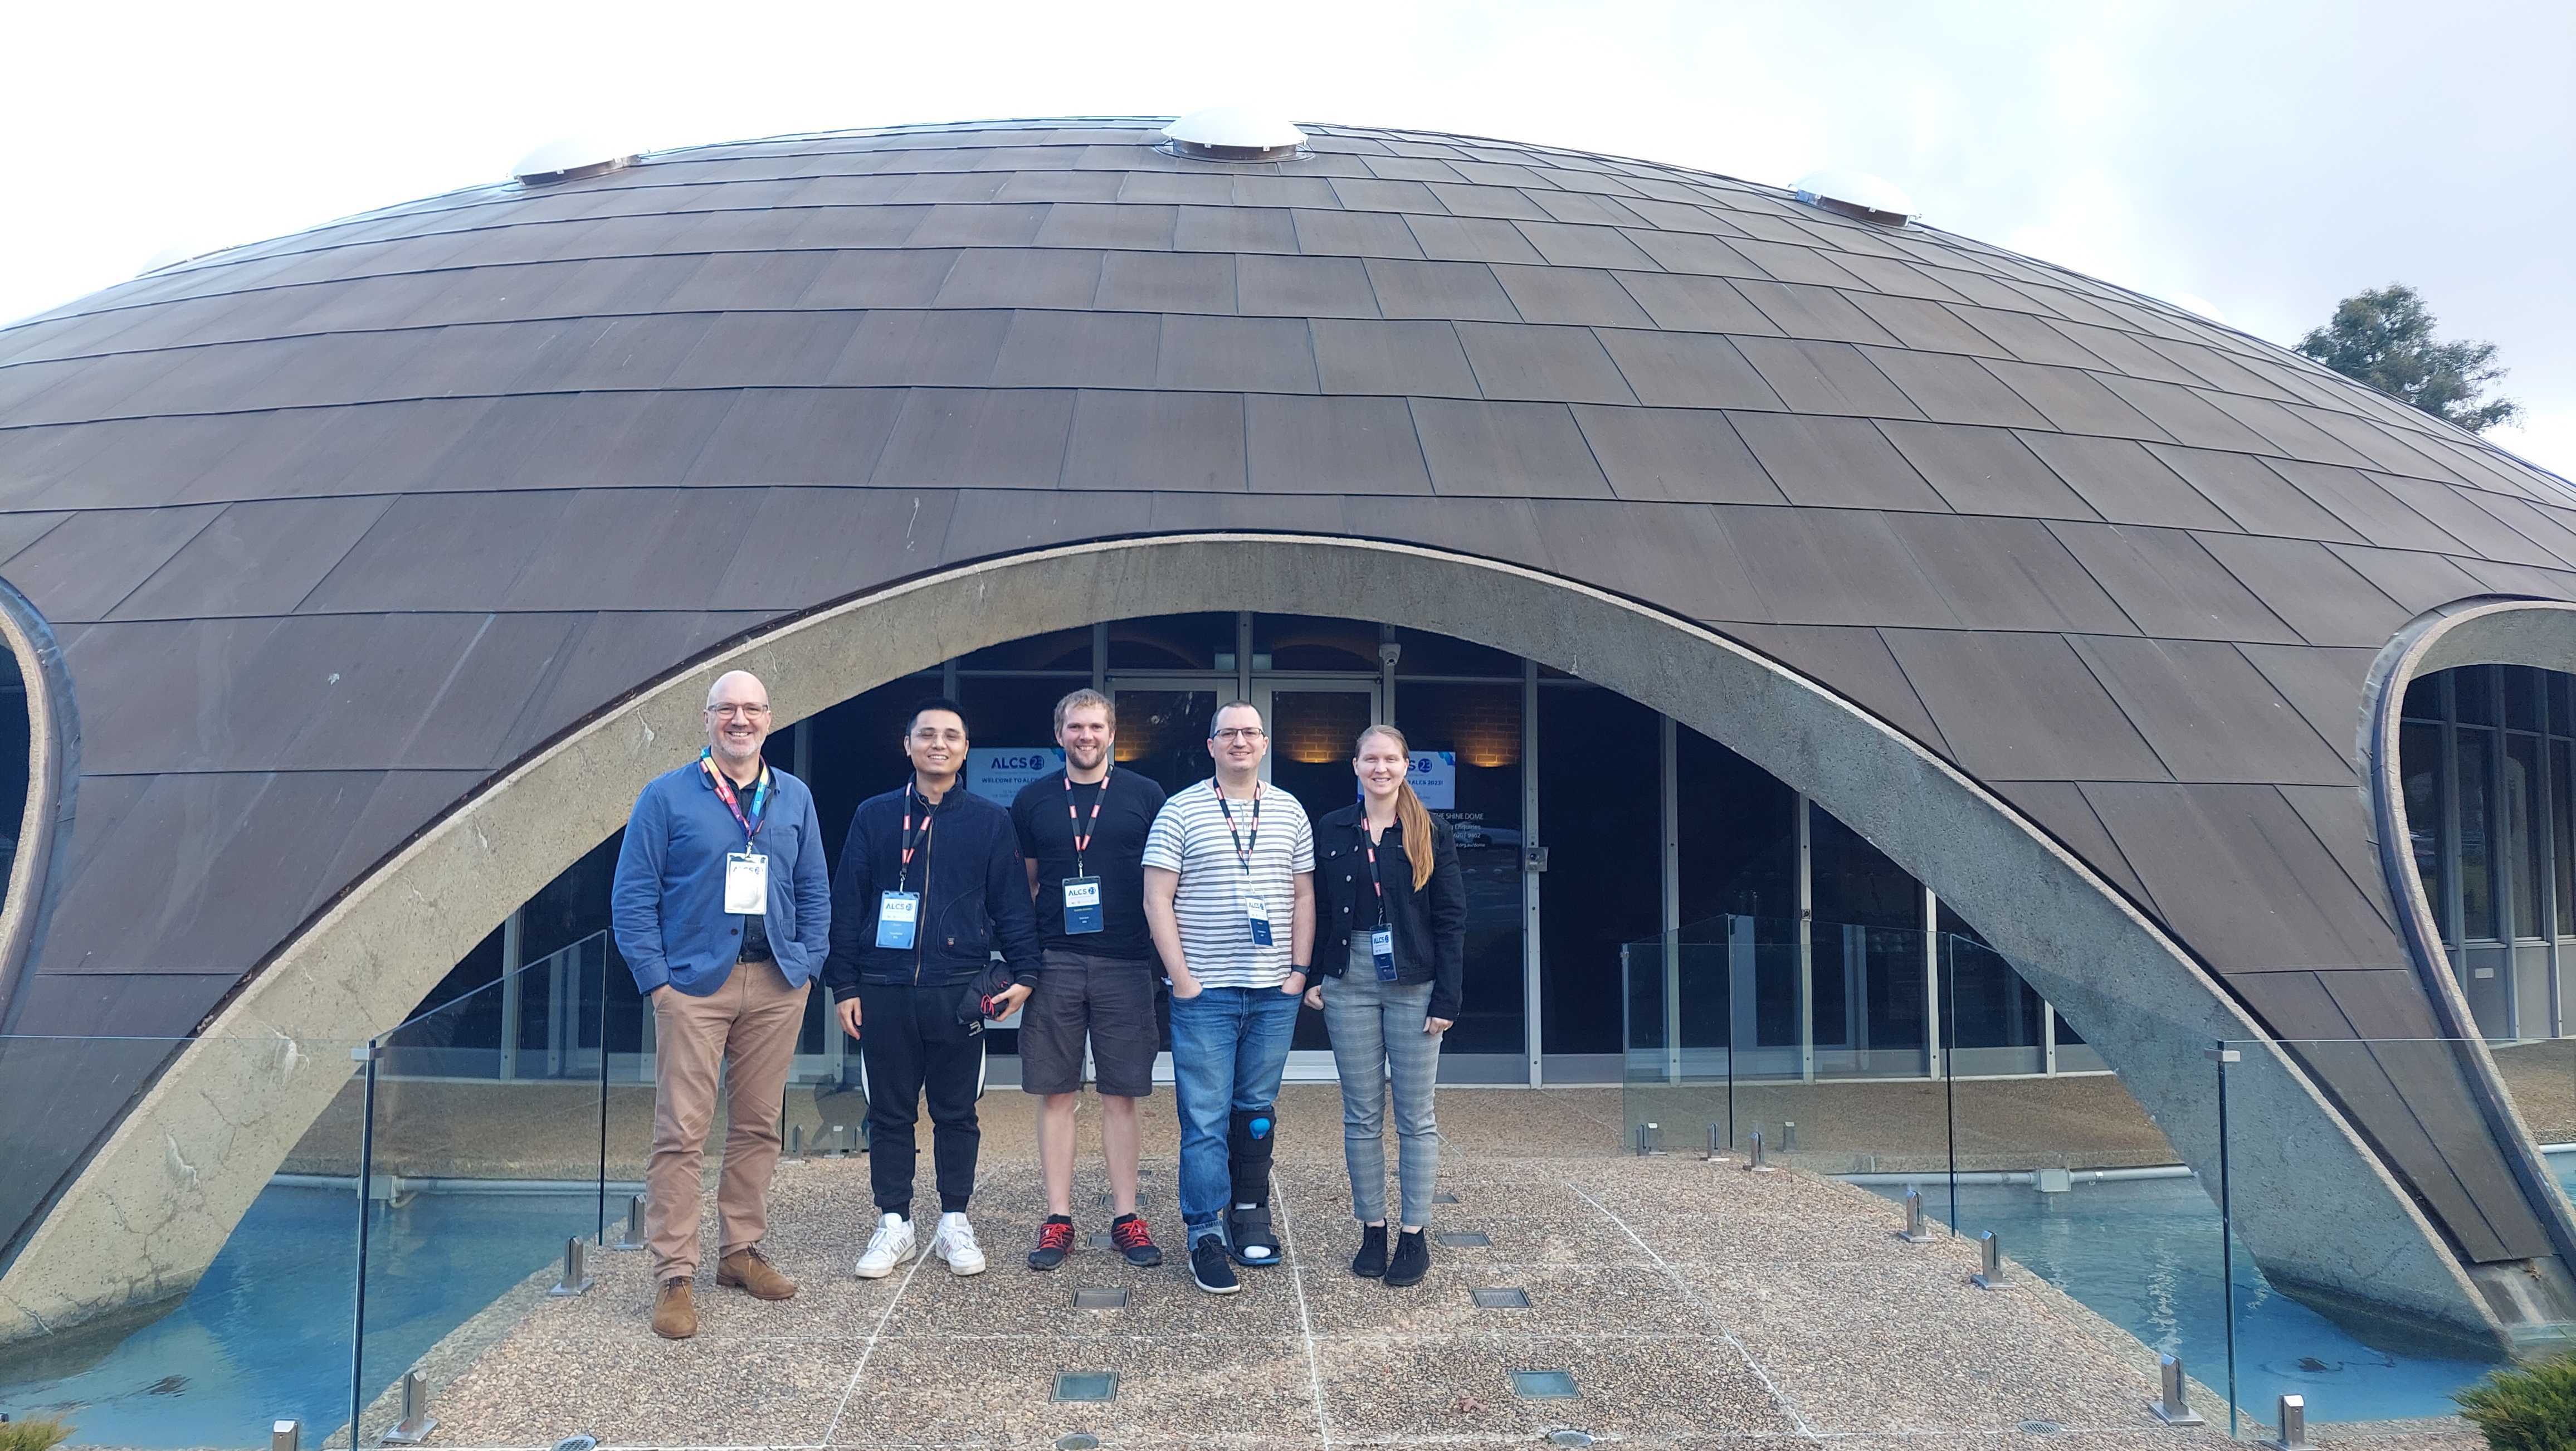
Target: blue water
[
  {"x": 265, "y": 1334},
  {"x": 2145, "y": 1255}
]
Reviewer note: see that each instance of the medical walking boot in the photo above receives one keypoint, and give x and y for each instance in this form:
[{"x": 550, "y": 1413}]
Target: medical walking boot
[{"x": 1249, "y": 1141}]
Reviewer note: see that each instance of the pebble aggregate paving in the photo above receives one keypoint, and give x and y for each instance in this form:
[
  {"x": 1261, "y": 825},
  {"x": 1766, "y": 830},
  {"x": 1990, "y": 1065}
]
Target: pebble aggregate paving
[{"x": 1693, "y": 1304}]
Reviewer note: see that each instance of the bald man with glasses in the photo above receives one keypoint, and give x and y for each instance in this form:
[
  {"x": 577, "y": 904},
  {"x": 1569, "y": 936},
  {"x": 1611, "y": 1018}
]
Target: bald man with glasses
[{"x": 723, "y": 910}]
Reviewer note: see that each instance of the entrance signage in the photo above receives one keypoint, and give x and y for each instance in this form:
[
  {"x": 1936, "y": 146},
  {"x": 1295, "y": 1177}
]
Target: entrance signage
[
  {"x": 997, "y": 773},
  {"x": 1435, "y": 779}
]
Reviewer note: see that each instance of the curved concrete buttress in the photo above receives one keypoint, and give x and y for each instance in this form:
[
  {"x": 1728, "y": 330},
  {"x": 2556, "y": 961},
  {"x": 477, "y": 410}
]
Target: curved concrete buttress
[
  {"x": 53, "y": 776},
  {"x": 2471, "y": 632},
  {"x": 2314, "y": 1204}
]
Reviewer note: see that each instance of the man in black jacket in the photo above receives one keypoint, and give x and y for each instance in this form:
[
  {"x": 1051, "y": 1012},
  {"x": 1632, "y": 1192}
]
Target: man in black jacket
[{"x": 930, "y": 886}]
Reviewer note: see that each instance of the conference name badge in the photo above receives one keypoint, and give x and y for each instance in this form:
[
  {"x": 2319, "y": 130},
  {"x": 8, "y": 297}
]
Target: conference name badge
[
  {"x": 747, "y": 884},
  {"x": 1382, "y": 952},
  {"x": 1081, "y": 905},
  {"x": 1257, "y": 913},
  {"x": 898, "y": 918}
]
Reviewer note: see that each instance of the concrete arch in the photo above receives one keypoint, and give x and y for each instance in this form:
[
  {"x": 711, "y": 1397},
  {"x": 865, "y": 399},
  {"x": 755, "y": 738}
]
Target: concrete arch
[
  {"x": 2316, "y": 1206},
  {"x": 53, "y": 776},
  {"x": 2483, "y": 631}
]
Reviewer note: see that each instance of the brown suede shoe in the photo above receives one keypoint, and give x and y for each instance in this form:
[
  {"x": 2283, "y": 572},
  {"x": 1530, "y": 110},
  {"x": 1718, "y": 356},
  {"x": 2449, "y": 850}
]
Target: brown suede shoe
[
  {"x": 750, "y": 1270},
  {"x": 675, "y": 1310}
]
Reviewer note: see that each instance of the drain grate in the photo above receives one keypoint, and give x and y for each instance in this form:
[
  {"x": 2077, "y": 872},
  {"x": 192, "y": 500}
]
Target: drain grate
[
  {"x": 1569, "y": 1438},
  {"x": 1506, "y": 1297},
  {"x": 1444, "y": 1197},
  {"x": 1086, "y": 1385},
  {"x": 1544, "y": 1385},
  {"x": 1102, "y": 1241},
  {"x": 2042, "y": 1428},
  {"x": 1077, "y": 1441},
  {"x": 1464, "y": 1239},
  {"x": 1111, "y": 1299}
]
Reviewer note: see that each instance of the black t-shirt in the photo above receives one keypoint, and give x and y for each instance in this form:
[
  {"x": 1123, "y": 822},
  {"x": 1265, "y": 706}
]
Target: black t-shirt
[{"x": 1116, "y": 856}]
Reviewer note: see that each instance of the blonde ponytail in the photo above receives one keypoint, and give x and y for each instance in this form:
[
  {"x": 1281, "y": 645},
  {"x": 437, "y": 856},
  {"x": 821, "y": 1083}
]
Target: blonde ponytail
[{"x": 1410, "y": 813}]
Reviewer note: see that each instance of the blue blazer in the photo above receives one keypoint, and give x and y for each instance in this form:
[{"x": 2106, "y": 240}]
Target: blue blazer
[{"x": 668, "y": 902}]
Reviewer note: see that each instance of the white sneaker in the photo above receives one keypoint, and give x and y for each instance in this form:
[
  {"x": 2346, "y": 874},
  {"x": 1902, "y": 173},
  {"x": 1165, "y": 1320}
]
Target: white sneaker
[
  {"x": 890, "y": 1246},
  {"x": 954, "y": 1241}
]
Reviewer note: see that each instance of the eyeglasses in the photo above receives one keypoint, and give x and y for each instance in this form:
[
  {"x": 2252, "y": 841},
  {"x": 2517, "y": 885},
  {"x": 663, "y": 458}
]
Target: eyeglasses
[
  {"x": 928, "y": 736},
  {"x": 1237, "y": 733},
  {"x": 747, "y": 712}
]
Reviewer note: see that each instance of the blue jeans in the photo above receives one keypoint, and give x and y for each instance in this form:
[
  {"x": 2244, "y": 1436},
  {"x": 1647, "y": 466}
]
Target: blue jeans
[{"x": 1229, "y": 1048}]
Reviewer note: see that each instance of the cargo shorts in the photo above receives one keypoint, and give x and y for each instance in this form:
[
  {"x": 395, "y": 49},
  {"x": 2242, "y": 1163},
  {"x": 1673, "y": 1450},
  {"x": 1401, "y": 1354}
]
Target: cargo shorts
[{"x": 1111, "y": 998}]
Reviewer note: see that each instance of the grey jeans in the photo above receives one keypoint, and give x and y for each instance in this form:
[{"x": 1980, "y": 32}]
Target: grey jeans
[{"x": 1378, "y": 1038}]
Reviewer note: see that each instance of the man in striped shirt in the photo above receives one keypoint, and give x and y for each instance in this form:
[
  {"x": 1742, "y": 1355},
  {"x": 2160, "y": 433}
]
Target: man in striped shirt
[{"x": 1230, "y": 899}]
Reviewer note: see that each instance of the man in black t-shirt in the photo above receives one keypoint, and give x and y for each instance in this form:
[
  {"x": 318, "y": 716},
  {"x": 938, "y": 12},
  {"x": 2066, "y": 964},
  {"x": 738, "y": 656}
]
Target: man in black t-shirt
[{"x": 1082, "y": 831}]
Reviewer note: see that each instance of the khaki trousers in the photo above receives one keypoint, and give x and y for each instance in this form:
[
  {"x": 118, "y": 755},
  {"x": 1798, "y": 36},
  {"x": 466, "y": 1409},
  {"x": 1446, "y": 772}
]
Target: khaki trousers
[{"x": 748, "y": 1029}]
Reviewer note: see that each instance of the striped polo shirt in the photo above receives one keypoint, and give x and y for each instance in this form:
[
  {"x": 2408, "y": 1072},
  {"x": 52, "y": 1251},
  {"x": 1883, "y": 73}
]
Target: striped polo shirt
[{"x": 1190, "y": 837}]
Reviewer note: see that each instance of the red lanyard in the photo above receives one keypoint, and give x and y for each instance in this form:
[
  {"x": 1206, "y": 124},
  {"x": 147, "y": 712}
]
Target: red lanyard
[
  {"x": 725, "y": 794},
  {"x": 1082, "y": 830},
  {"x": 1375, "y": 878},
  {"x": 903, "y": 880},
  {"x": 1242, "y": 849}
]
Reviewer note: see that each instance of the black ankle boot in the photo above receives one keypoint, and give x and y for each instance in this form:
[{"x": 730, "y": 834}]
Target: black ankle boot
[
  {"x": 1412, "y": 1259},
  {"x": 1370, "y": 1262}
]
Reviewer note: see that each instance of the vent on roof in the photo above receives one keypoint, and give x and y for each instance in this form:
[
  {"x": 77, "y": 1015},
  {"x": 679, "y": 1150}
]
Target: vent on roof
[
  {"x": 178, "y": 252},
  {"x": 1857, "y": 194},
  {"x": 570, "y": 158},
  {"x": 1233, "y": 133}
]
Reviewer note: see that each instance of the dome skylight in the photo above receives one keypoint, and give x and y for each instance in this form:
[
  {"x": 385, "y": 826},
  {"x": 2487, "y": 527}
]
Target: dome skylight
[
  {"x": 1858, "y": 194},
  {"x": 570, "y": 158},
  {"x": 1233, "y": 133}
]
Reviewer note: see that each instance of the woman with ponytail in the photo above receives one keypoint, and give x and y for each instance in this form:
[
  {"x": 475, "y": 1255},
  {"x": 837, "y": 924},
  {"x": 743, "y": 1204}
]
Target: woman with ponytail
[{"x": 1391, "y": 941}]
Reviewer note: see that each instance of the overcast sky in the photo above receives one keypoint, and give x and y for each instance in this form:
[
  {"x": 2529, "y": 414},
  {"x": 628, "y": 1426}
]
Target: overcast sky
[{"x": 2253, "y": 161}]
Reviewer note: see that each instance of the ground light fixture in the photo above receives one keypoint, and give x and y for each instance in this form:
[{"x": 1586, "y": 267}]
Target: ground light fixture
[
  {"x": 1544, "y": 1385},
  {"x": 1085, "y": 1385}
]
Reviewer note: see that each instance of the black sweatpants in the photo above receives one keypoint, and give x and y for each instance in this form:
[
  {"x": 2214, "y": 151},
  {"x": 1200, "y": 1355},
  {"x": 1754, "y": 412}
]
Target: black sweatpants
[{"x": 913, "y": 1046}]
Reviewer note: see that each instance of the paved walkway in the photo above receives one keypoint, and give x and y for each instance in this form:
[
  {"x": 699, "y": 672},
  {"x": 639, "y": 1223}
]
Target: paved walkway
[{"x": 1693, "y": 1305}]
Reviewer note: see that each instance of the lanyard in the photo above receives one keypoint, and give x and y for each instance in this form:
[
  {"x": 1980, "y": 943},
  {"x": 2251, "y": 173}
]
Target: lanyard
[
  {"x": 911, "y": 843},
  {"x": 1242, "y": 849},
  {"x": 725, "y": 794},
  {"x": 1376, "y": 878},
  {"x": 1082, "y": 830}
]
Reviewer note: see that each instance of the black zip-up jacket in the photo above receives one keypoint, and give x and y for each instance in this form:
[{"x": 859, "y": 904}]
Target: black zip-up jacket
[
  {"x": 1430, "y": 925},
  {"x": 974, "y": 894}
]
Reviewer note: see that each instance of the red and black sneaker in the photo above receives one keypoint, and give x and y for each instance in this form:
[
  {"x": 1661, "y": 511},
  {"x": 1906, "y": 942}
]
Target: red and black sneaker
[
  {"x": 1055, "y": 1241},
  {"x": 1128, "y": 1232}
]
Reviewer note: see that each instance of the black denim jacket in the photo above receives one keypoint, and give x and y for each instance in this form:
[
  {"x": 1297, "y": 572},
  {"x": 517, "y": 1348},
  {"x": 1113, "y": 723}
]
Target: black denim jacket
[{"x": 1430, "y": 925}]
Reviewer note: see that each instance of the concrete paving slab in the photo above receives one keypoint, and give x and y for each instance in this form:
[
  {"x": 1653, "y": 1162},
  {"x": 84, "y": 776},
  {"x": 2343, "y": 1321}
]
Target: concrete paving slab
[
  {"x": 994, "y": 1392},
  {"x": 639, "y": 1391},
  {"x": 1564, "y": 1299},
  {"x": 1882, "y": 1349},
  {"x": 1695, "y": 1306},
  {"x": 1412, "y": 1389}
]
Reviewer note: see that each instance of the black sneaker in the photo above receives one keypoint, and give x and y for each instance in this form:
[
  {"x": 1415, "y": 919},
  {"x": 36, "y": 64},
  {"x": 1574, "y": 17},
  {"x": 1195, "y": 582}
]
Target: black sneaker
[
  {"x": 1128, "y": 1232},
  {"x": 1210, "y": 1267},
  {"x": 1412, "y": 1259},
  {"x": 1370, "y": 1262},
  {"x": 1055, "y": 1241}
]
